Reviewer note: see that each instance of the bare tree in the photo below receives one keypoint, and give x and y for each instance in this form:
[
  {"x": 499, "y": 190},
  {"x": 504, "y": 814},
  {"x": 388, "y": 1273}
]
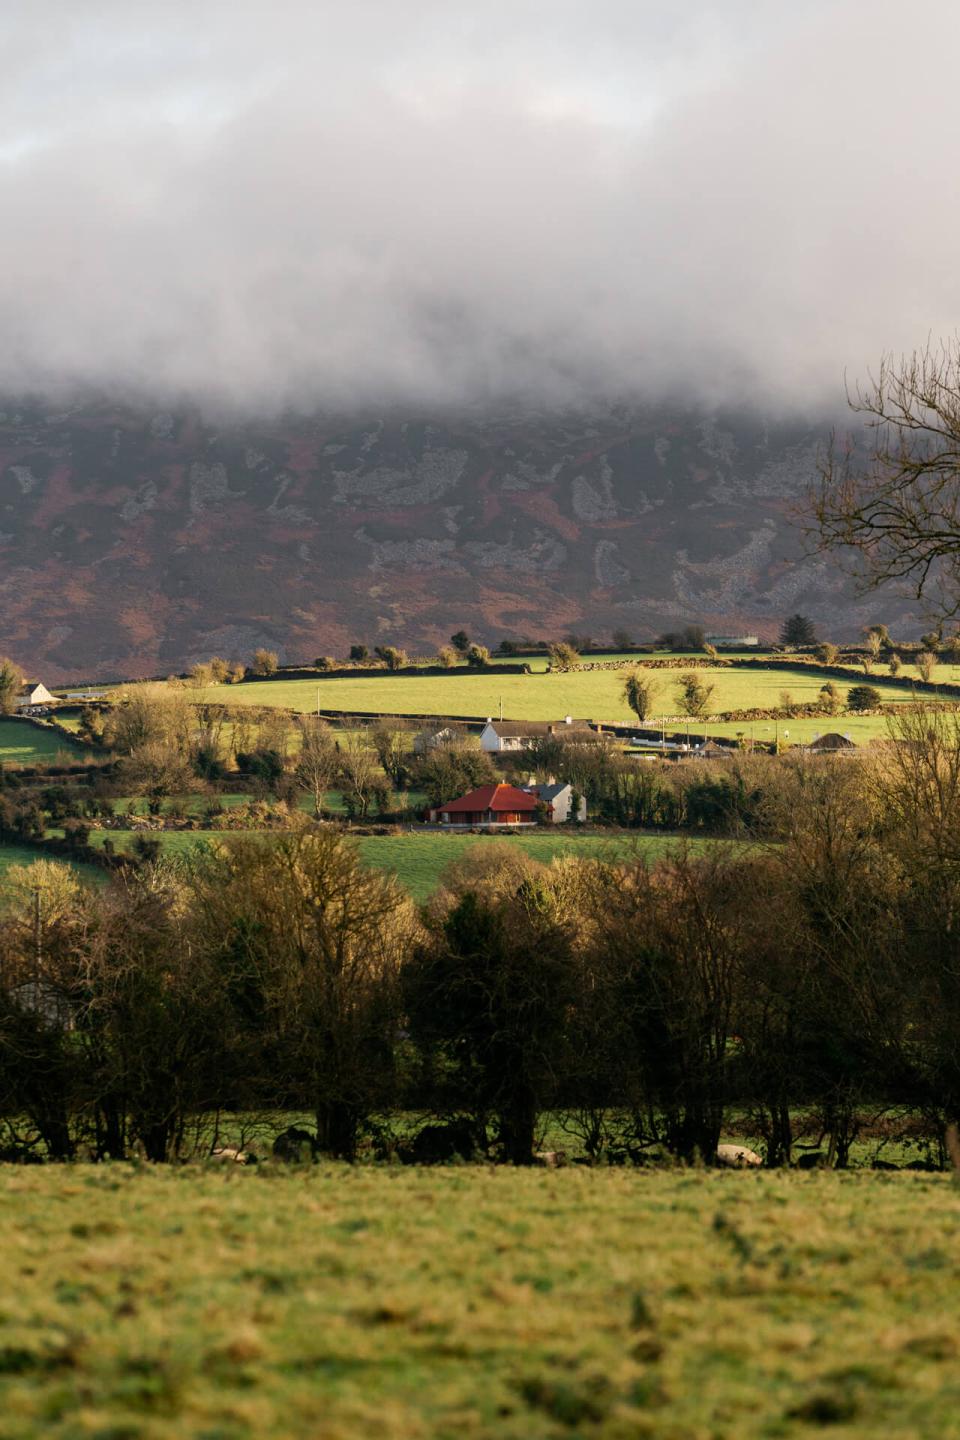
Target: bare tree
[
  {"x": 894, "y": 505},
  {"x": 318, "y": 761},
  {"x": 360, "y": 773}
]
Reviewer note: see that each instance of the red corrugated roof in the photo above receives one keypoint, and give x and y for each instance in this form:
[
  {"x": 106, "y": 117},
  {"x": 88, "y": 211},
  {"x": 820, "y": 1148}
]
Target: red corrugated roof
[{"x": 493, "y": 797}]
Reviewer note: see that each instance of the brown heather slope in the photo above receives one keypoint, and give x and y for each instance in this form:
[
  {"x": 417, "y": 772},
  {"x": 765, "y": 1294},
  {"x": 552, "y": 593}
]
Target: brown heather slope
[{"x": 135, "y": 542}]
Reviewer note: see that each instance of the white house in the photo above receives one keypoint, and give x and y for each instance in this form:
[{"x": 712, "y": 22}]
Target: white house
[
  {"x": 559, "y": 798},
  {"x": 33, "y": 693},
  {"x": 429, "y": 740},
  {"x": 499, "y": 736}
]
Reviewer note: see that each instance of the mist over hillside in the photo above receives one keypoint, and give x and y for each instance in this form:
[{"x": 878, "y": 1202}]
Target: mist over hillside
[{"x": 136, "y": 541}]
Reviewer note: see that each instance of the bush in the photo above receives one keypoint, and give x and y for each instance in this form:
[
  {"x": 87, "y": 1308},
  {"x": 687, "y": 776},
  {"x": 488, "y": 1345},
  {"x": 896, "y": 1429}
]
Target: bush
[{"x": 863, "y": 697}]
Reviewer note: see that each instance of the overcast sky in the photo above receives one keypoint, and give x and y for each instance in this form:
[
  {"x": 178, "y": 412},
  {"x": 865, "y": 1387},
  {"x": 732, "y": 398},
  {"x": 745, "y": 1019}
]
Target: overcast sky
[{"x": 271, "y": 202}]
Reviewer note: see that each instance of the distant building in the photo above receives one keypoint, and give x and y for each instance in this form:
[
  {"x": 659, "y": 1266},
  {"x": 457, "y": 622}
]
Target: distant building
[
  {"x": 499, "y": 736},
  {"x": 734, "y": 642},
  {"x": 509, "y": 805},
  {"x": 558, "y": 799},
  {"x": 490, "y": 805},
  {"x": 33, "y": 693},
  {"x": 710, "y": 750},
  {"x": 428, "y": 740},
  {"x": 830, "y": 744}
]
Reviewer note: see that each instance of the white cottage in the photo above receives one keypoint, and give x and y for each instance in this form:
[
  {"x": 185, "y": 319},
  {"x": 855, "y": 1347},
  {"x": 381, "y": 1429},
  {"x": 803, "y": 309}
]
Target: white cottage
[
  {"x": 33, "y": 693},
  {"x": 500, "y": 736}
]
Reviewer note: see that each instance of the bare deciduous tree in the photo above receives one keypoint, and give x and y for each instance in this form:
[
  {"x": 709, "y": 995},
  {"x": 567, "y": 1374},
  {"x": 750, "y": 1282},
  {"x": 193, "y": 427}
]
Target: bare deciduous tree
[
  {"x": 893, "y": 504},
  {"x": 318, "y": 761}
]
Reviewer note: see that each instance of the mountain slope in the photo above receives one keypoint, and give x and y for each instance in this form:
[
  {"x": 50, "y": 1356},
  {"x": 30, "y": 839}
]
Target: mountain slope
[{"x": 133, "y": 543}]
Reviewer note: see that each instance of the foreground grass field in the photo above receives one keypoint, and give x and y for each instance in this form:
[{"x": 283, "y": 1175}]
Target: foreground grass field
[
  {"x": 378, "y": 1304},
  {"x": 591, "y": 695}
]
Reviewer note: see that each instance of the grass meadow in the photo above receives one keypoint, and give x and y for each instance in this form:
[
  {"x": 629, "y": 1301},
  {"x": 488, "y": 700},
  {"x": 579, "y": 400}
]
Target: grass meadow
[
  {"x": 594, "y": 695},
  {"x": 24, "y": 744},
  {"x": 222, "y": 1303},
  {"x": 419, "y": 860}
]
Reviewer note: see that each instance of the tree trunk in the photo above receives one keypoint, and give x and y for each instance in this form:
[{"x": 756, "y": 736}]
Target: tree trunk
[
  {"x": 518, "y": 1122},
  {"x": 337, "y": 1124}
]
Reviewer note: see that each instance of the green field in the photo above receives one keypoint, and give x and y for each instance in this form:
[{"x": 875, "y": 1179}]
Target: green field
[
  {"x": 419, "y": 860},
  {"x": 198, "y": 1303},
  {"x": 26, "y": 855},
  {"x": 25, "y": 744},
  {"x": 591, "y": 695},
  {"x": 19, "y": 855}
]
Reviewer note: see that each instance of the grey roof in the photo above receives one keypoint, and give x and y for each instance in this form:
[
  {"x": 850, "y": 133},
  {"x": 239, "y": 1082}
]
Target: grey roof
[
  {"x": 549, "y": 793},
  {"x": 528, "y": 729},
  {"x": 831, "y": 741}
]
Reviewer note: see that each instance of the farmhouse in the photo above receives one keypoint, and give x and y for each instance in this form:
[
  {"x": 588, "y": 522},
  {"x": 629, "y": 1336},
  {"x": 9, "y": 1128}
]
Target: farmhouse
[
  {"x": 33, "y": 693},
  {"x": 499, "y": 736},
  {"x": 559, "y": 800},
  {"x": 495, "y": 805},
  {"x": 490, "y": 805}
]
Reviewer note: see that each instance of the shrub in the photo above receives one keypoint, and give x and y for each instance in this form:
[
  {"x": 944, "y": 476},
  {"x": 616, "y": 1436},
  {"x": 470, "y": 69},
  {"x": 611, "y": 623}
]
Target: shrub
[
  {"x": 563, "y": 656},
  {"x": 862, "y": 697},
  {"x": 926, "y": 663},
  {"x": 693, "y": 696}
]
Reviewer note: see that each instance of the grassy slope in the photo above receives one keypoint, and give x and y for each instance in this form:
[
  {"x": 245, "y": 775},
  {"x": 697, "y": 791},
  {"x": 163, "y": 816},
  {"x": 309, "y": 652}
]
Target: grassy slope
[
  {"x": 22, "y": 744},
  {"x": 589, "y": 694},
  {"x": 414, "y": 1305}
]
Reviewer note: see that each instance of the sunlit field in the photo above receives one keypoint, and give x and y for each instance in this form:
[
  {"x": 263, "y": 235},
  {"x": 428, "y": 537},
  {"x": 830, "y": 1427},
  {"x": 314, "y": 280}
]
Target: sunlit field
[
  {"x": 24, "y": 744},
  {"x": 401, "y": 1304},
  {"x": 419, "y": 860},
  {"x": 594, "y": 695}
]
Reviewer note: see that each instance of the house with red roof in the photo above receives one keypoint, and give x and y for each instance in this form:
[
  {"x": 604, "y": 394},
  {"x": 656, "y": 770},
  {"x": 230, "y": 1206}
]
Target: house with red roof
[
  {"x": 490, "y": 805},
  {"x": 510, "y": 805}
]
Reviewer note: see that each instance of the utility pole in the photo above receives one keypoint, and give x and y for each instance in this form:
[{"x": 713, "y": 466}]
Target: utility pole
[
  {"x": 318, "y": 702},
  {"x": 37, "y": 938}
]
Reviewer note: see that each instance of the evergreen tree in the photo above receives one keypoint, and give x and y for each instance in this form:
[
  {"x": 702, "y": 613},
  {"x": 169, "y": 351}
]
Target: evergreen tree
[{"x": 798, "y": 630}]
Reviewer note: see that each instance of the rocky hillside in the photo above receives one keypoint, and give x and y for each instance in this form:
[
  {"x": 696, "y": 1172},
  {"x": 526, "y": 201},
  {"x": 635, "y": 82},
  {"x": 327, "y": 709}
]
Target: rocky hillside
[{"x": 134, "y": 543}]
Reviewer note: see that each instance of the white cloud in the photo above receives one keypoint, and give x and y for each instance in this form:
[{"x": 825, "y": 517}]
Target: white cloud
[{"x": 302, "y": 203}]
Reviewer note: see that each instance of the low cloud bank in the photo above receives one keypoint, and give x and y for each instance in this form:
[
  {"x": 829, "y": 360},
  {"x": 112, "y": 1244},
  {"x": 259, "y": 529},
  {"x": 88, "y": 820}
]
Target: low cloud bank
[{"x": 283, "y": 204}]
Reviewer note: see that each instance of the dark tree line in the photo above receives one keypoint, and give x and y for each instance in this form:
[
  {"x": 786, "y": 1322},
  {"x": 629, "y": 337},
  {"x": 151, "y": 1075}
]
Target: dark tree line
[{"x": 642, "y": 1004}]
